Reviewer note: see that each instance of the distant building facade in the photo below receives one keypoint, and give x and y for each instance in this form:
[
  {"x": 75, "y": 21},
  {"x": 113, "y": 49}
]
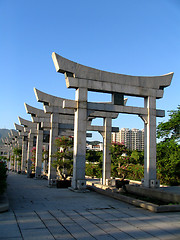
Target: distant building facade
[
  {"x": 98, "y": 147},
  {"x": 133, "y": 138}
]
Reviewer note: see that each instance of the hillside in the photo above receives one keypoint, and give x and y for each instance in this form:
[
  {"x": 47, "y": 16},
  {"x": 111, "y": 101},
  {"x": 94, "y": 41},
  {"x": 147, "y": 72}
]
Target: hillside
[
  {"x": 93, "y": 142},
  {"x": 3, "y": 133}
]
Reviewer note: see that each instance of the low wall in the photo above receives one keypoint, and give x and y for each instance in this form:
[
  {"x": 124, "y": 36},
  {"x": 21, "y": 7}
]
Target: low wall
[{"x": 153, "y": 193}]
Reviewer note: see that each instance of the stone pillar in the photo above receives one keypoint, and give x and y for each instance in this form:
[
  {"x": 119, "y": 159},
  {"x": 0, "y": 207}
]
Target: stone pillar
[
  {"x": 8, "y": 156},
  {"x": 150, "y": 144},
  {"x": 15, "y": 163},
  {"x": 29, "y": 153},
  {"x": 11, "y": 161},
  {"x": 52, "y": 147},
  {"x": 39, "y": 146},
  {"x": 24, "y": 154},
  {"x": 19, "y": 145},
  {"x": 18, "y": 166},
  {"x": 106, "y": 174},
  {"x": 45, "y": 160},
  {"x": 80, "y": 121}
]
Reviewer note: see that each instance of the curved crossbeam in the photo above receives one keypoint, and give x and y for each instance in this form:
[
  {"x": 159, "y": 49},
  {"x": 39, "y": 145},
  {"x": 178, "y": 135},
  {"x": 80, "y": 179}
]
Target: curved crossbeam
[
  {"x": 78, "y": 75},
  {"x": 48, "y": 99},
  {"x": 27, "y": 123},
  {"x": 36, "y": 112},
  {"x": 19, "y": 127}
]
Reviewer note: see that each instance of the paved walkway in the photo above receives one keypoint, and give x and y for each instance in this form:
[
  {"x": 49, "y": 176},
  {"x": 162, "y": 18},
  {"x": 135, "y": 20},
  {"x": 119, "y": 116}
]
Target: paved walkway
[{"x": 38, "y": 212}]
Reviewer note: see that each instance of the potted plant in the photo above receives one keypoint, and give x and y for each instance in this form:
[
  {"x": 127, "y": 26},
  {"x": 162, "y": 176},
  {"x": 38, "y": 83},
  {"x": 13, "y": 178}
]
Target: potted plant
[
  {"x": 45, "y": 158},
  {"x": 64, "y": 161},
  {"x": 17, "y": 156},
  {"x": 3, "y": 176},
  {"x": 121, "y": 163},
  {"x": 33, "y": 159}
]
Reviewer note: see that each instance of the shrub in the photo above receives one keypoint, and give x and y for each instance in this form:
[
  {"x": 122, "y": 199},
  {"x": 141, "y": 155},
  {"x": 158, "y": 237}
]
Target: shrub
[
  {"x": 93, "y": 170},
  {"x": 136, "y": 172},
  {"x": 64, "y": 157},
  {"x": 3, "y": 176},
  {"x": 168, "y": 162},
  {"x": 33, "y": 158}
]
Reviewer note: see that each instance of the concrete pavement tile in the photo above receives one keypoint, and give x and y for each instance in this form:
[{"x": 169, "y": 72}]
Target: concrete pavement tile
[
  {"x": 57, "y": 230},
  {"x": 37, "y": 234},
  {"x": 159, "y": 233},
  {"x": 27, "y": 223},
  {"x": 60, "y": 234},
  {"x": 7, "y": 215},
  {"x": 118, "y": 214},
  {"x": 73, "y": 228},
  {"x": 9, "y": 228},
  {"x": 172, "y": 219},
  {"x": 31, "y": 199},
  {"x": 61, "y": 217},
  {"x": 165, "y": 224},
  {"x": 24, "y": 213},
  {"x": 136, "y": 222},
  {"x": 170, "y": 228},
  {"x": 103, "y": 215},
  {"x": 88, "y": 226},
  {"x": 90, "y": 216},
  {"x": 12, "y": 238},
  {"x": 77, "y": 232},
  {"x": 132, "y": 212},
  {"x": 44, "y": 214},
  {"x": 29, "y": 220},
  {"x": 115, "y": 232},
  {"x": 131, "y": 230}
]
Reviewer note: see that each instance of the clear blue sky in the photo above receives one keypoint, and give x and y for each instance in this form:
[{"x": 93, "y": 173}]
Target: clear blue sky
[{"x": 135, "y": 37}]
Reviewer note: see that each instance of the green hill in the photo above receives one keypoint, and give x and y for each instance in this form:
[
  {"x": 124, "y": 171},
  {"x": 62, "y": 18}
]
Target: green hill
[
  {"x": 93, "y": 142},
  {"x": 3, "y": 134}
]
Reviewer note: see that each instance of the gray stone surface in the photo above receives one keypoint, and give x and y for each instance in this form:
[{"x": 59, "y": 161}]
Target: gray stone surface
[
  {"x": 62, "y": 119},
  {"x": 23, "y": 135},
  {"x": 78, "y": 75},
  {"x": 39, "y": 212},
  {"x": 84, "y": 79},
  {"x": 4, "y": 203}
]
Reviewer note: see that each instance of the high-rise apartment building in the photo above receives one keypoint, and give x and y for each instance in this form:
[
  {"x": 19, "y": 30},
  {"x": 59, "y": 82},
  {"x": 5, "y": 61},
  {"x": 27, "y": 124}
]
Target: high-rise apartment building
[{"x": 133, "y": 138}]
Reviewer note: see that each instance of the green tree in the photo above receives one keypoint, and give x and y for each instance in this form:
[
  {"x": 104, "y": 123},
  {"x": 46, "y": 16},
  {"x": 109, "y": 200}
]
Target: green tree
[
  {"x": 64, "y": 157},
  {"x": 120, "y": 160},
  {"x": 168, "y": 162},
  {"x": 94, "y": 161},
  {"x": 3, "y": 176},
  {"x": 18, "y": 154},
  {"x": 170, "y": 129},
  {"x": 93, "y": 156},
  {"x": 168, "y": 150},
  {"x": 138, "y": 157}
]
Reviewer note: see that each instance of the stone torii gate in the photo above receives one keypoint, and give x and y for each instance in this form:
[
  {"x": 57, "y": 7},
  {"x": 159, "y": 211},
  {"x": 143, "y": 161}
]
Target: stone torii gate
[
  {"x": 53, "y": 105},
  {"x": 16, "y": 142},
  {"x": 85, "y": 79},
  {"x": 43, "y": 121},
  {"x": 31, "y": 129},
  {"x": 6, "y": 148},
  {"x": 39, "y": 117},
  {"x": 7, "y": 142},
  {"x": 24, "y": 136}
]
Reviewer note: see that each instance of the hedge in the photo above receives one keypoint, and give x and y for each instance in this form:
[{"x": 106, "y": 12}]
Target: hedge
[{"x": 3, "y": 176}]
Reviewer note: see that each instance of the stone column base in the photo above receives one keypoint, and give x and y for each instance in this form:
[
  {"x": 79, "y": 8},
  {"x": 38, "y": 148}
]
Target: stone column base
[
  {"x": 79, "y": 184},
  {"x": 152, "y": 183},
  {"x": 52, "y": 182}
]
